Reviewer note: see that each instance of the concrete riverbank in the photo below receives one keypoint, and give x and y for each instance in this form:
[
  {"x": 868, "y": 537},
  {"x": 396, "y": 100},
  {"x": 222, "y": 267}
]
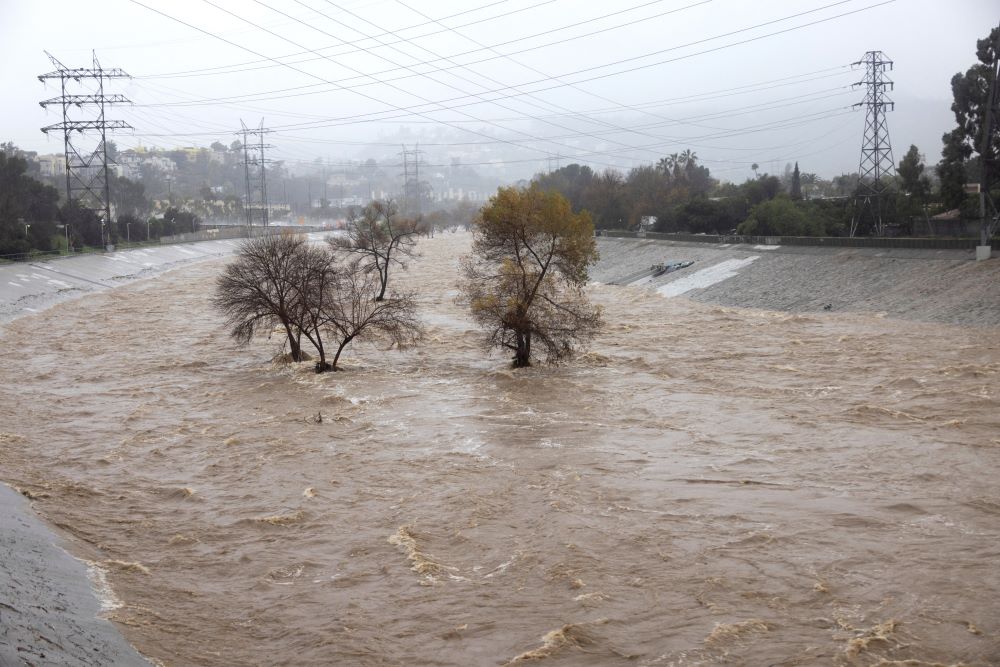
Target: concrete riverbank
[{"x": 946, "y": 286}]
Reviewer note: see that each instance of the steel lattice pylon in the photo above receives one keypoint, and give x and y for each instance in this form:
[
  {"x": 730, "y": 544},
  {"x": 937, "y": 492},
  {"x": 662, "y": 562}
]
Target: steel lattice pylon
[
  {"x": 255, "y": 172},
  {"x": 87, "y": 170},
  {"x": 876, "y": 149},
  {"x": 412, "y": 188}
]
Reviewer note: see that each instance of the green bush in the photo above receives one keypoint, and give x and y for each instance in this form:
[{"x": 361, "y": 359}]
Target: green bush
[{"x": 779, "y": 217}]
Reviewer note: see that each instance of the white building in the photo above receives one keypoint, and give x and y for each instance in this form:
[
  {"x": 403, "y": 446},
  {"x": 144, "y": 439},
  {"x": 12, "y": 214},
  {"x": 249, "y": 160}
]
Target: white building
[{"x": 52, "y": 165}]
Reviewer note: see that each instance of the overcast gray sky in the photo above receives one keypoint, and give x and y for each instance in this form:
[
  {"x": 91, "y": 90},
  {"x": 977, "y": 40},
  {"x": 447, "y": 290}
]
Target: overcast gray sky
[{"x": 523, "y": 84}]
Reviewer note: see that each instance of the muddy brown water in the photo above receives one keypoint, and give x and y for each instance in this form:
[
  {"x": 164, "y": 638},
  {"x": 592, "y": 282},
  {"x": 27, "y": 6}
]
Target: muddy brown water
[{"x": 707, "y": 485}]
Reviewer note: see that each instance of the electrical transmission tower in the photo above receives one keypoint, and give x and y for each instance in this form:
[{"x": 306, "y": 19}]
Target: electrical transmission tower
[
  {"x": 876, "y": 150},
  {"x": 87, "y": 164},
  {"x": 255, "y": 172},
  {"x": 412, "y": 187}
]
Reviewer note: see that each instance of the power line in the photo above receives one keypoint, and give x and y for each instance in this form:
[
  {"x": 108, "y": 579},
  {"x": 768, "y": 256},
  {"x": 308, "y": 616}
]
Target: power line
[
  {"x": 492, "y": 101},
  {"x": 536, "y": 47},
  {"x": 209, "y": 71},
  {"x": 365, "y": 95},
  {"x": 426, "y": 100},
  {"x": 603, "y": 76}
]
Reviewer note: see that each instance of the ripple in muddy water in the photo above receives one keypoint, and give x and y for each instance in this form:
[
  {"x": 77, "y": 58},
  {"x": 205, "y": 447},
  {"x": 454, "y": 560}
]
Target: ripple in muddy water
[{"x": 706, "y": 485}]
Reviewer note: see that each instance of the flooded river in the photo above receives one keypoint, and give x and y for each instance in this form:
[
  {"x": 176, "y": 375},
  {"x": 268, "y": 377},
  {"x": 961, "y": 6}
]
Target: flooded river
[{"x": 707, "y": 485}]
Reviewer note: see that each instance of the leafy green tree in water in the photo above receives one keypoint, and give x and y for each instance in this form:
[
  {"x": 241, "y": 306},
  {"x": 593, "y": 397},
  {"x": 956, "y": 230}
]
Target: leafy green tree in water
[
  {"x": 971, "y": 93},
  {"x": 524, "y": 280}
]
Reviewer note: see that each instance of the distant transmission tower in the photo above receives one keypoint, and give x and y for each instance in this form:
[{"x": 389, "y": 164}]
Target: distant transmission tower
[
  {"x": 412, "y": 191},
  {"x": 87, "y": 169},
  {"x": 876, "y": 150},
  {"x": 255, "y": 173}
]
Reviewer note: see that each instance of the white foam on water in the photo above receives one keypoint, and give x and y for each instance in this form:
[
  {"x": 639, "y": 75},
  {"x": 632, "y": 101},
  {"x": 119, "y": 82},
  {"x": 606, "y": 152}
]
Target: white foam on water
[
  {"x": 766, "y": 247},
  {"x": 706, "y": 277},
  {"x": 102, "y": 589}
]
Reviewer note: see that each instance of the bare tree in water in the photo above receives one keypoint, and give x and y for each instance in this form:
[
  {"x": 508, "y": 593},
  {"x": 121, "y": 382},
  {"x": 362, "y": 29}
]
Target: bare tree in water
[
  {"x": 282, "y": 281},
  {"x": 315, "y": 287},
  {"x": 357, "y": 308},
  {"x": 524, "y": 280},
  {"x": 259, "y": 291},
  {"x": 381, "y": 238}
]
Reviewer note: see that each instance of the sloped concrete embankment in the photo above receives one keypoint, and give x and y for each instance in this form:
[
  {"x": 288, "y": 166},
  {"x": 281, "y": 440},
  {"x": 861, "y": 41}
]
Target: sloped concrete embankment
[
  {"x": 31, "y": 286},
  {"x": 946, "y": 286},
  {"x": 48, "y": 612}
]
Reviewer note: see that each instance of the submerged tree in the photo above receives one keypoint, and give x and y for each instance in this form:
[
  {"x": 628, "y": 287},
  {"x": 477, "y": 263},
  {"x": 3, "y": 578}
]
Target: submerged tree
[
  {"x": 352, "y": 312},
  {"x": 381, "y": 238},
  {"x": 282, "y": 281},
  {"x": 314, "y": 282},
  {"x": 524, "y": 280},
  {"x": 260, "y": 290}
]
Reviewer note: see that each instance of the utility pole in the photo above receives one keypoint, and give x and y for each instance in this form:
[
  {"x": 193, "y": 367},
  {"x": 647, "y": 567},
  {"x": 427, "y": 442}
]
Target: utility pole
[
  {"x": 256, "y": 184},
  {"x": 87, "y": 170},
  {"x": 876, "y": 149}
]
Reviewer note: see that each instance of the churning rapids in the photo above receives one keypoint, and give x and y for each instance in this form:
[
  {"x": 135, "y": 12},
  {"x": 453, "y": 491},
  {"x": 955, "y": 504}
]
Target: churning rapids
[{"x": 705, "y": 485}]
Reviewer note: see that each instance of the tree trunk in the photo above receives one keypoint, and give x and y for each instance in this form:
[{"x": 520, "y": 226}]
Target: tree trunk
[
  {"x": 336, "y": 357},
  {"x": 321, "y": 365},
  {"x": 522, "y": 355},
  {"x": 295, "y": 347},
  {"x": 384, "y": 276}
]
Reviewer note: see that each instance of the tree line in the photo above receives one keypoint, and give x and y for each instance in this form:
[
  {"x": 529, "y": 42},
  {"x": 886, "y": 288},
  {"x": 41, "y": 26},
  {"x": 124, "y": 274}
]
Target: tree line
[
  {"x": 682, "y": 196},
  {"x": 32, "y": 219}
]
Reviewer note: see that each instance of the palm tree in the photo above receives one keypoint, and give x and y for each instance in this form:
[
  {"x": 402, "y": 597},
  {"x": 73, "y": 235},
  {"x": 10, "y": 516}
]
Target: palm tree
[
  {"x": 688, "y": 159},
  {"x": 675, "y": 164},
  {"x": 755, "y": 167}
]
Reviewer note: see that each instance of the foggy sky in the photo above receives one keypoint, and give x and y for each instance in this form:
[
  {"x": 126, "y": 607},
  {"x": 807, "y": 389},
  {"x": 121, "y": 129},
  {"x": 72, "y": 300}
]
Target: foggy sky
[{"x": 487, "y": 85}]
